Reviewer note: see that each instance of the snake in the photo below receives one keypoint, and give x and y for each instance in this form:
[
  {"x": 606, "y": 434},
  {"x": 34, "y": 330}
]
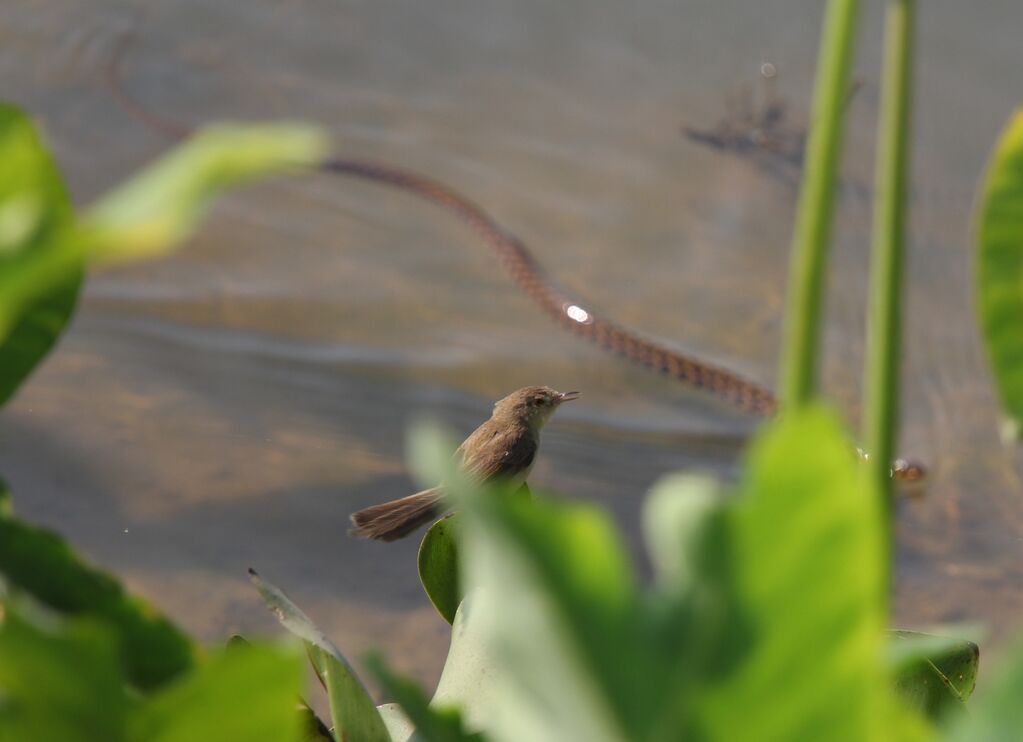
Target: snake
[{"x": 522, "y": 267}]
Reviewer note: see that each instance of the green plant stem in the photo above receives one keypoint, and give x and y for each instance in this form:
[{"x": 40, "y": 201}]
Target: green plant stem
[
  {"x": 880, "y": 425},
  {"x": 814, "y": 214}
]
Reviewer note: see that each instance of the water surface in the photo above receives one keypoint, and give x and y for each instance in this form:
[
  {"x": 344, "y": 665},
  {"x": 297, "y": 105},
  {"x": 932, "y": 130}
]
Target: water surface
[{"x": 229, "y": 406}]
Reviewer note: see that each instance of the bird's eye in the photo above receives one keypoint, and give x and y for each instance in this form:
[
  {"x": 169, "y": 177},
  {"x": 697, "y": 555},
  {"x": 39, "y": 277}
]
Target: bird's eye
[{"x": 538, "y": 400}]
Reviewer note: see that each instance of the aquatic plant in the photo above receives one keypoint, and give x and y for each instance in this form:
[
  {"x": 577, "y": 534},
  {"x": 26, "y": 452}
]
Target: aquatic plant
[
  {"x": 766, "y": 618},
  {"x": 79, "y": 658}
]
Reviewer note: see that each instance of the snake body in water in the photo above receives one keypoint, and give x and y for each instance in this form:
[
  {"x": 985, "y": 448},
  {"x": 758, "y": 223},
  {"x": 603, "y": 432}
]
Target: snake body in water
[{"x": 524, "y": 270}]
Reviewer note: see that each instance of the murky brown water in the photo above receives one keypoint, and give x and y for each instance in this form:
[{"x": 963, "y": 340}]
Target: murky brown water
[{"x": 230, "y": 406}]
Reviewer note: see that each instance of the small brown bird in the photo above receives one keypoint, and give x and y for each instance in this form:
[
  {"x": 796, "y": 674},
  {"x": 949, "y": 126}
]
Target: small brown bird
[{"x": 504, "y": 447}]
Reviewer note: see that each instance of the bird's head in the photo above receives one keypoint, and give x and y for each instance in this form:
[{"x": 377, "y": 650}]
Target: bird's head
[{"x": 532, "y": 405}]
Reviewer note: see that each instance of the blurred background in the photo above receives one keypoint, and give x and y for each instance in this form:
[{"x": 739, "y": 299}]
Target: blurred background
[{"x": 230, "y": 406}]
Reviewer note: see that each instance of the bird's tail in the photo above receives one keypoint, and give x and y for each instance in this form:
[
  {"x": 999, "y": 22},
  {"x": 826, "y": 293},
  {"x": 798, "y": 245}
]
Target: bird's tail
[{"x": 397, "y": 518}]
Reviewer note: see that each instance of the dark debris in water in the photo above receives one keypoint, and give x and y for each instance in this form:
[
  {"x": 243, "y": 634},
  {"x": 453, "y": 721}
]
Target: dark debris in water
[{"x": 758, "y": 125}]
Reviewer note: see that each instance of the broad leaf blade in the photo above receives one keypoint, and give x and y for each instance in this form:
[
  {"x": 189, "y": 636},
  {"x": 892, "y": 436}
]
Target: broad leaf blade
[
  {"x": 809, "y": 582},
  {"x": 1000, "y": 269},
  {"x": 472, "y": 678},
  {"x": 239, "y": 696},
  {"x": 694, "y": 617},
  {"x": 397, "y": 723},
  {"x": 557, "y": 602},
  {"x": 438, "y": 567},
  {"x": 352, "y": 710},
  {"x": 674, "y": 516},
  {"x": 41, "y": 564},
  {"x": 35, "y": 216},
  {"x": 61, "y": 683}
]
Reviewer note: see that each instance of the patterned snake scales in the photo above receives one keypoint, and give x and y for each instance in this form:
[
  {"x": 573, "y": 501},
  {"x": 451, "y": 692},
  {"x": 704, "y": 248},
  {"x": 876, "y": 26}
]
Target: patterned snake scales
[{"x": 526, "y": 273}]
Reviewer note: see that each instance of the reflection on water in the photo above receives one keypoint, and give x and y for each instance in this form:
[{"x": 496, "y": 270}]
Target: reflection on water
[{"x": 230, "y": 406}]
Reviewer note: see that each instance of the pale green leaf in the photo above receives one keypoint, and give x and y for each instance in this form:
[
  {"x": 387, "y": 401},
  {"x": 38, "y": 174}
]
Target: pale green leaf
[
  {"x": 557, "y": 605},
  {"x": 473, "y": 678},
  {"x": 160, "y": 206}
]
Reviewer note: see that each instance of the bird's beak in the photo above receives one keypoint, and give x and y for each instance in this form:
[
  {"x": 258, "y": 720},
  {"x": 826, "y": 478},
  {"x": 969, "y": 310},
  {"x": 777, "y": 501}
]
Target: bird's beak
[{"x": 567, "y": 397}]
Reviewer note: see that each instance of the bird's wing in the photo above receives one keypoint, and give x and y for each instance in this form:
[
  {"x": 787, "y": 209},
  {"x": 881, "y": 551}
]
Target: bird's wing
[{"x": 498, "y": 452}]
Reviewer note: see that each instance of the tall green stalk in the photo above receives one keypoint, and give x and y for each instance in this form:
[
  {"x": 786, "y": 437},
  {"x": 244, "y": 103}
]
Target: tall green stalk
[
  {"x": 814, "y": 213},
  {"x": 880, "y": 424}
]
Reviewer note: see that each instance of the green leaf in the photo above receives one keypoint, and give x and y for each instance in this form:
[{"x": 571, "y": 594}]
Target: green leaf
[
  {"x": 43, "y": 248},
  {"x": 246, "y": 696},
  {"x": 809, "y": 577},
  {"x": 772, "y": 602},
  {"x": 314, "y": 730},
  {"x": 431, "y": 724},
  {"x": 398, "y": 725},
  {"x": 996, "y": 713},
  {"x": 923, "y": 687},
  {"x": 352, "y": 711},
  {"x": 6, "y": 506},
  {"x": 41, "y": 564},
  {"x": 35, "y": 215},
  {"x": 957, "y": 660},
  {"x": 438, "y": 567},
  {"x": 694, "y": 618},
  {"x": 557, "y": 603},
  {"x": 1000, "y": 269},
  {"x": 160, "y": 206},
  {"x": 472, "y": 678},
  {"x": 675, "y": 516},
  {"x": 61, "y": 683}
]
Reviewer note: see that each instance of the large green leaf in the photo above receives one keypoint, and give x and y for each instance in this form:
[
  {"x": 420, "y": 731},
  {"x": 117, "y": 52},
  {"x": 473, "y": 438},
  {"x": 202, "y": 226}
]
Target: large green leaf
[
  {"x": 772, "y": 603},
  {"x": 62, "y": 679},
  {"x": 239, "y": 696},
  {"x": 41, "y": 564},
  {"x": 1000, "y": 269},
  {"x": 555, "y": 601},
  {"x": 61, "y": 683},
  {"x": 809, "y": 567},
  {"x": 438, "y": 567},
  {"x": 472, "y": 678},
  {"x": 160, "y": 206},
  {"x": 35, "y": 214},
  {"x": 352, "y": 711}
]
